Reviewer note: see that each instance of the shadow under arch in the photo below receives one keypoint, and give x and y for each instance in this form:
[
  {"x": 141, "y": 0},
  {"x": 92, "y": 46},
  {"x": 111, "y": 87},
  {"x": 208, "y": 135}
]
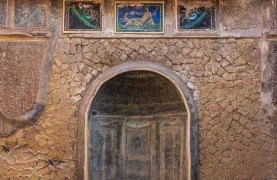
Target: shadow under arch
[{"x": 192, "y": 143}]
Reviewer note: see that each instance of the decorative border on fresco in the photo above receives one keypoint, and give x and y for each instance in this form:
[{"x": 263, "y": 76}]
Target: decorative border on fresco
[
  {"x": 65, "y": 30},
  {"x": 208, "y": 30},
  {"x": 43, "y": 7},
  {"x": 161, "y": 3}
]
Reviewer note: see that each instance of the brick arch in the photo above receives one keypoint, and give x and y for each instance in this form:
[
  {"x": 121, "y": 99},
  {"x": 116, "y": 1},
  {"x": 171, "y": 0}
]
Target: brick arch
[{"x": 192, "y": 126}]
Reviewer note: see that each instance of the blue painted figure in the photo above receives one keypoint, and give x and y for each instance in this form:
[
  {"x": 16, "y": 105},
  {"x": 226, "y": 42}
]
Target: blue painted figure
[
  {"x": 197, "y": 18},
  {"x": 146, "y": 17}
]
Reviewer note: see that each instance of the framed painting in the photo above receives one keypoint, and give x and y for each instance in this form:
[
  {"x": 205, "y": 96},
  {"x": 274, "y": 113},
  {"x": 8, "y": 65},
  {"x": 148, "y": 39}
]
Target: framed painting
[
  {"x": 30, "y": 14},
  {"x": 3, "y": 13},
  {"x": 82, "y": 16},
  {"x": 139, "y": 17},
  {"x": 196, "y": 15}
]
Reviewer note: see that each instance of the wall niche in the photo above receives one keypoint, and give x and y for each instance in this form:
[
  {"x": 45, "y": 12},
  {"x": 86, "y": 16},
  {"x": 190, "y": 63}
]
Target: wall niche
[{"x": 137, "y": 125}]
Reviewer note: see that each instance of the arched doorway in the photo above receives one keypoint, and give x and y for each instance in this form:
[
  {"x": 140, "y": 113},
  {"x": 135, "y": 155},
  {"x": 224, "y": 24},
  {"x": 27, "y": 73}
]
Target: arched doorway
[{"x": 139, "y": 122}]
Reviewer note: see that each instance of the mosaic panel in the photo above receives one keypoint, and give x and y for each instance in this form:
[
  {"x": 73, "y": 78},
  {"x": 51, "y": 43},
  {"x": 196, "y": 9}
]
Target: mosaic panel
[
  {"x": 82, "y": 16},
  {"x": 196, "y": 15},
  {"x": 30, "y": 14},
  {"x": 139, "y": 17},
  {"x": 3, "y": 13}
]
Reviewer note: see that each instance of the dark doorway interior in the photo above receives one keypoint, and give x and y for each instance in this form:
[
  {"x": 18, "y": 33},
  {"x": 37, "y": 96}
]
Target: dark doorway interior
[{"x": 137, "y": 127}]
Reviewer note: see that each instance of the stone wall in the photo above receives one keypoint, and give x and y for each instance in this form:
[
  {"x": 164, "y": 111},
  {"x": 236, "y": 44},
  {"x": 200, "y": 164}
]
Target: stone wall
[{"x": 225, "y": 74}]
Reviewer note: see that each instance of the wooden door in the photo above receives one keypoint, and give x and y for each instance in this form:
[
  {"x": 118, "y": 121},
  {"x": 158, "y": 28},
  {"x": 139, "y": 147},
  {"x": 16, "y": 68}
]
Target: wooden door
[
  {"x": 171, "y": 149},
  {"x": 137, "y": 148},
  {"x": 105, "y": 150}
]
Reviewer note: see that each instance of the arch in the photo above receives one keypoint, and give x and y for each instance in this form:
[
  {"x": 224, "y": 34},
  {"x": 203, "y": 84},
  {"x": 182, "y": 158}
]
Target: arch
[{"x": 192, "y": 124}]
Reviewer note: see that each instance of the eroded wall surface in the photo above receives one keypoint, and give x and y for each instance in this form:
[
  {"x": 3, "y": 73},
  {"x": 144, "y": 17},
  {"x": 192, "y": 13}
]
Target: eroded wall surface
[
  {"x": 21, "y": 69},
  {"x": 225, "y": 74}
]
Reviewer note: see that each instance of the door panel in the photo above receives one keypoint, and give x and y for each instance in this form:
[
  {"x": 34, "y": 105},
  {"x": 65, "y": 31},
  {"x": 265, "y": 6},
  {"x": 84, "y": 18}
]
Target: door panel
[
  {"x": 106, "y": 160},
  {"x": 137, "y": 149},
  {"x": 138, "y": 160},
  {"x": 171, "y": 147},
  {"x": 170, "y": 152}
]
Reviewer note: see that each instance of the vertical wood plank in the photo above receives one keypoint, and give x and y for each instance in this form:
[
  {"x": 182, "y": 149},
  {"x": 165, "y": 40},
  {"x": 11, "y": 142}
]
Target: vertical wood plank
[
  {"x": 154, "y": 172},
  {"x": 122, "y": 149}
]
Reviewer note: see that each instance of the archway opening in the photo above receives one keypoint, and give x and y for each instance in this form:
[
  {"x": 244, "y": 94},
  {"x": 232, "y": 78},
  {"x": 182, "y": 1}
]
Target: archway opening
[{"x": 137, "y": 129}]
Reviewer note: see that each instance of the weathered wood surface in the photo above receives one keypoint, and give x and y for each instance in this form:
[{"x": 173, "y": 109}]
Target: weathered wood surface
[{"x": 137, "y": 148}]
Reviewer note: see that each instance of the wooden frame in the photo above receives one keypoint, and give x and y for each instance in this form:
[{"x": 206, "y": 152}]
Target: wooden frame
[
  {"x": 139, "y": 3},
  {"x": 83, "y": 30}
]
